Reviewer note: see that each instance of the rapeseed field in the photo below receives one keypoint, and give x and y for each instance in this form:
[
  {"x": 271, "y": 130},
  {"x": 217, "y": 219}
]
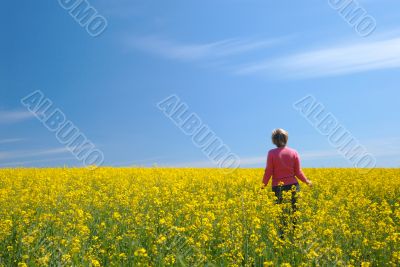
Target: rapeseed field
[{"x": 196, "y": 217}]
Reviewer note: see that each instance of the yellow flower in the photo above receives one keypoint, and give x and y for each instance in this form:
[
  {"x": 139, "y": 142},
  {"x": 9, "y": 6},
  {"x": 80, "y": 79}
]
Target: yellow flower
[
  {"x": 122, "y": 256},
  {"x": 141, "y": 252},
  {"x": 117, "y": 215},
  {"x": 66, "y": 258},
  {"x": 95, "y": 263},
  {"x": 196, "y": 216}
]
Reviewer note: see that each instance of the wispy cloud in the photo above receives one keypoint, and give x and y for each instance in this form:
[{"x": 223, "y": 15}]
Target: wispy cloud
[
  {"x": 15, "y": 116},
  {"x": 10, "y": 140},
  {"x": 6, "y": 155},
  {"x": 136, "y": 162},
  {"x": 306, "y": 155},
  {"x": 333, "y": 60},
  {"x": 257, "y": 160},
  {"x": 385, "y": 147},
  {"x": 201, "y": 51},
  {"x": 30, "y": 162},
  {"x": 382, "y": 149}
]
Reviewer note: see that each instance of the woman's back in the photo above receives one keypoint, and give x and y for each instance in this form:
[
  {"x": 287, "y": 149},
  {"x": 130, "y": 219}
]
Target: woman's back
[{"x": 283, "y": 163}]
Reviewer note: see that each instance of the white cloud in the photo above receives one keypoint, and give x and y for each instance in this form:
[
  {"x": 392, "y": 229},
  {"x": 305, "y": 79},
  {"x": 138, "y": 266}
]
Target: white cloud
[
  {"x": 5, "y": 155},
  {"x": 258, "y": 160},
  {"x": 386, "y": 151},
  {"x": 189, "y": 52},
  {"x": 337, "y": 59},
  {"x": 334, "y": 60},
  {"x": 24, "y": 163},
  {"x": 136, "y": 162},
  {"x": 384, "y": 147},
  {"x": 10, "y": 140},
  {"x": 15, "y": 116},
  {"x": 306, "y": 155}
]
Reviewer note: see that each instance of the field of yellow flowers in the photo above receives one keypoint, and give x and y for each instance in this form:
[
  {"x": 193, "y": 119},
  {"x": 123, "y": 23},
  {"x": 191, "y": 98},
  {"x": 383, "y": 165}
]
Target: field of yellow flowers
[{"x": 195, "y": 217}]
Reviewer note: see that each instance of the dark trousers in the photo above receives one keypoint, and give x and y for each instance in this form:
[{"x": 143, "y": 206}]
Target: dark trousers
[
  {"x": 287, "y": 213},
  {"x": 278, "y": 190}
]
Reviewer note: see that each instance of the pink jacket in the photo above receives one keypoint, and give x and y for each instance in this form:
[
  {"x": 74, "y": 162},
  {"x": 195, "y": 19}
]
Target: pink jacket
[{"x": 283, "y": 164}]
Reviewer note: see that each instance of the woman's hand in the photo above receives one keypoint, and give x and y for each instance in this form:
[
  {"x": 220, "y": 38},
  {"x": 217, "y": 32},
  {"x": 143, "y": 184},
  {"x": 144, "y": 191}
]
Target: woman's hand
[
  {"x": 309, "y": 183},
  {"x": 263, "y": 186}
]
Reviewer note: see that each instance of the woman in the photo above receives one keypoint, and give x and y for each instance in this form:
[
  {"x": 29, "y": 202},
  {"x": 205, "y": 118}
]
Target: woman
[{"x": 283, "y": 164}]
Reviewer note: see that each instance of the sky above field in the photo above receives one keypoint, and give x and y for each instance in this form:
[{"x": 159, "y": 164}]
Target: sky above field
[{"x": 239, "y": 65}]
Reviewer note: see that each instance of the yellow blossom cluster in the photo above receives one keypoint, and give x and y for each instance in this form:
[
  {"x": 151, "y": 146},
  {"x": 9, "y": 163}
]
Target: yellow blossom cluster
[{"x": 196, "y": 217}]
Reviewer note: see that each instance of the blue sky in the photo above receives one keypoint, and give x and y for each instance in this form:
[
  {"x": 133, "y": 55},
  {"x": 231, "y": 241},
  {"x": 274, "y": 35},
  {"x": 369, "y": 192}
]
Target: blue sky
[{"x": 239, "y": 65}]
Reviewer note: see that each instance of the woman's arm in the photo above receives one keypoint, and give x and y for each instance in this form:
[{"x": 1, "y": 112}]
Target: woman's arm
[
  {"x": 269, "y": 169},
  {"x": 298, "y": 172}
]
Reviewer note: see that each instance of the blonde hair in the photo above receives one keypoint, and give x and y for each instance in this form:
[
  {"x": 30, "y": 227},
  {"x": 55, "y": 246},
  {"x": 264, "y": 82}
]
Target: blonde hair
[{"x": 280, "y": 137}]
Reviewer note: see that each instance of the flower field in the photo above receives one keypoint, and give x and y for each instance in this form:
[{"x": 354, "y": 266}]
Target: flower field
[{"x": 195, "y": 217}]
